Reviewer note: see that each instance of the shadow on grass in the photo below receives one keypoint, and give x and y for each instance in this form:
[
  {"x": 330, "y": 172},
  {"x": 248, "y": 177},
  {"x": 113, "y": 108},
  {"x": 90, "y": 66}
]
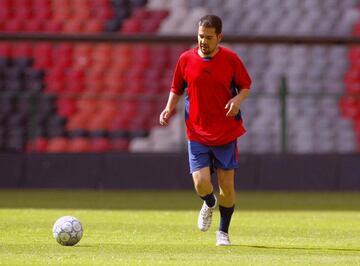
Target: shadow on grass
[
  {"x": 299, "y": 248},
  {"x": 175, "y": 200}
]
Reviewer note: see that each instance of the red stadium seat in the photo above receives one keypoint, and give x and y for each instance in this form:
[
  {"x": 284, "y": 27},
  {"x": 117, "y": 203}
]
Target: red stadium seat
[
  {"x": 119, "y": 144},
  {"x": 34, "y": 26},
  {"x": 56, "y": 4},
  {"x": 22, "y": 4},
  {"x": 55, "y": 87},
  {"x": 38, "y": 4},
  {"x": 14, "y": 25},
  {"x": 82, "y": 56},
  {"x": 87, "y": 105},
  {"x": 62, "y": 14},
  {"x": 42, "y": 13},
  {"x": 356, "y": 29},
  {"x": 93, "y": 25},
  {"x": 58, "y": 145},
  {"x": 100, "y": 145},
  {"x": 53, "y": 26},
  {"x": 349, "y": 107},
  {"x": 102, "y": 50},
  {"x": 6, "y": 4},
  {"x": 81, "y": 4},
  {"x": 6, "y": 49},
  {"x": 42, "y": 53},
  {"x": 79, "y": 145},
  {"x": 93, "y": 88},
  {"x": 141, "y": 14},
  {"x": 101, "y": 3},
  {"x": 103, "y": 13},
  {"x": 22, "y": 13},
  {"x": 5, "y": 15},
  {"x": 78, "y": 121},
  {"x": 150, "y": 26},
  {"x": 97, "y": 122},
  {"x": 357, "y": 125},
  {"x": 131, "y": 26},
  {"x": 122, "y": 50},
  {"x": 66, "y": 107},
  {"x": 107, "y": 109},
  {"x": 119, "y": 121},
  {"x": 160, "y": 14},
  {"x": 55, "y": 73},
  {"x": 38, "y": 145},
  {"x": 74, "y": 87},
  {"x": 72, "y": 26},
  {"x": 22, "y": 50},
  {"x": 63, "y": 55},
  {"x": 81, "y": 13},
  {"x": 75, "y": 75},
  {"x": 113, "y": 83}
]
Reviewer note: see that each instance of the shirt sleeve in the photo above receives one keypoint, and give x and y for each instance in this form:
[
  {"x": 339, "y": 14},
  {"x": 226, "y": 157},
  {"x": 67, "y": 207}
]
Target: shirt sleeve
[
  {"x": 178, "y": 83},
  {"x": 241, "y": 76}
]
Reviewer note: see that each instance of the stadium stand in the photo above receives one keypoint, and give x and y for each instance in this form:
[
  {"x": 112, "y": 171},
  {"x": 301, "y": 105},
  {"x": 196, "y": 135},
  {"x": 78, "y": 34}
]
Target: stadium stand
[{"x": 107, "y": 97}]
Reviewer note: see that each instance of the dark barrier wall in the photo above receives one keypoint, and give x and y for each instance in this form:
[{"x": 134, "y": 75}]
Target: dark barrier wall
[{"x": 171, "y": 171}]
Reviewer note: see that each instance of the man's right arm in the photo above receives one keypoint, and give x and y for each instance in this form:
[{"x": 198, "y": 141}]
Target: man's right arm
[{"x": 170, "y": 107}]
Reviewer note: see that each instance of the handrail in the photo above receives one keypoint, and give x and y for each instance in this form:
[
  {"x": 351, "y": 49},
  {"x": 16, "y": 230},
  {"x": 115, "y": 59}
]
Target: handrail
[{"x": 160, "y": 38}]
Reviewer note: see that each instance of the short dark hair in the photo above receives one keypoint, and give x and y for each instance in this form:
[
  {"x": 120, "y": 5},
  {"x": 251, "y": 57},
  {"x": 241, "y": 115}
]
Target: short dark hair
[{"x": 211, "y": 21}]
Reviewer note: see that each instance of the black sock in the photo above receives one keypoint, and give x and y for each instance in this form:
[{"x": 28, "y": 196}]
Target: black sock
[
  {"x": 225, "y": 218},
  {"x": 209, "y": 199}
]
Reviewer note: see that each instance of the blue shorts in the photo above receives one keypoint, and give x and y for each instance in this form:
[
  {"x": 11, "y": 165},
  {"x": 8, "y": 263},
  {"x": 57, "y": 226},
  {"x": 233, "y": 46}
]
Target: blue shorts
[{"x": 224, "y": 157}]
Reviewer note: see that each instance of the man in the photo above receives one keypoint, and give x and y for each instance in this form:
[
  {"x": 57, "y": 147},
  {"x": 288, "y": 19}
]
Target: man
[{"x": 216, "y": 83}]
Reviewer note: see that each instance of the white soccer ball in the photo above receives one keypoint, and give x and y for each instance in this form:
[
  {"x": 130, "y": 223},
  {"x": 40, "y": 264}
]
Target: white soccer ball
[{"x": 67, "y": 230}]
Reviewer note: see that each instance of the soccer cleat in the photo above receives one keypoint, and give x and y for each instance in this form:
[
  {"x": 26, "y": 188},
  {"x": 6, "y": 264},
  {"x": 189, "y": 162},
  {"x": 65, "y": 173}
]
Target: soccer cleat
[
  {"x": 205, "y": 216},
  {"x": 222, "y": 239}
]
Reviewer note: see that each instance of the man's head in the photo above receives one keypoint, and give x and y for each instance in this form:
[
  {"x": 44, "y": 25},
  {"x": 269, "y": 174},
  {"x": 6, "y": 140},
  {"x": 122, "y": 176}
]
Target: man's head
[{"x": 209, "y": 34}]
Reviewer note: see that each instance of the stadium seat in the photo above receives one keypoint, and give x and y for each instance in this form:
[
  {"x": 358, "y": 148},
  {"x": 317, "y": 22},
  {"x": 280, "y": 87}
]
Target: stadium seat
[
  {"x": 100, "y": 145},
  {"x": 52, "y": 26},
  {"x": 119, "y": 144},
  {"x": 79, "y": 145},
  {"x": 58, "y": 145},
  {"x": 38, "y": 145},
  {"x": 93, "y": 26},
  {"x": 72, "y": 26}
]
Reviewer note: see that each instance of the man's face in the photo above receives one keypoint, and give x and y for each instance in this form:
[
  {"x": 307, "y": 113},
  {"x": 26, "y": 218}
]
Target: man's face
[{"x": 208, "y": 40}]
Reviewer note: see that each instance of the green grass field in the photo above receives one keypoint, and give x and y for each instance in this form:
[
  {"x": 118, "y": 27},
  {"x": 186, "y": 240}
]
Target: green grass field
[{"x": 159, "y": 228}]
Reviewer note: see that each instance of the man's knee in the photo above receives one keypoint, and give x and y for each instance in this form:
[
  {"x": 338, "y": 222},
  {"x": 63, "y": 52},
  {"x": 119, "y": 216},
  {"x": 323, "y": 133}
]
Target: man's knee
[{"x": 202, "y": 179}]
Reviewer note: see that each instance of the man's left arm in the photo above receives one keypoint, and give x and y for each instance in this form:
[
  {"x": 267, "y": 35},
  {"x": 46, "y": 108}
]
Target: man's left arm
[{"x": 233, "y": 105}]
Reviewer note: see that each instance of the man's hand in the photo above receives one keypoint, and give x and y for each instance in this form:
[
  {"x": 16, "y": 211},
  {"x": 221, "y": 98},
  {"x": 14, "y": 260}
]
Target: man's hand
[
  {"x": 233, "y": 108},
  {"x": 164, "y": 117}
]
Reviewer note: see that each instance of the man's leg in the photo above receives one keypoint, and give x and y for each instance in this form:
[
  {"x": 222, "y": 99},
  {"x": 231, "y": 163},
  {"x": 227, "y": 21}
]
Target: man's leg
[
  {"x": 204, "y": 188},
  {"x": 202, "y": 181},
  {"x": 226, "y": 187},
  {"x": 226, "y": 204}
]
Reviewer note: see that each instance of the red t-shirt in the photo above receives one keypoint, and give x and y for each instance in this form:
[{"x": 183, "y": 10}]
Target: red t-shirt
[{"x": 209, "y": 83}]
